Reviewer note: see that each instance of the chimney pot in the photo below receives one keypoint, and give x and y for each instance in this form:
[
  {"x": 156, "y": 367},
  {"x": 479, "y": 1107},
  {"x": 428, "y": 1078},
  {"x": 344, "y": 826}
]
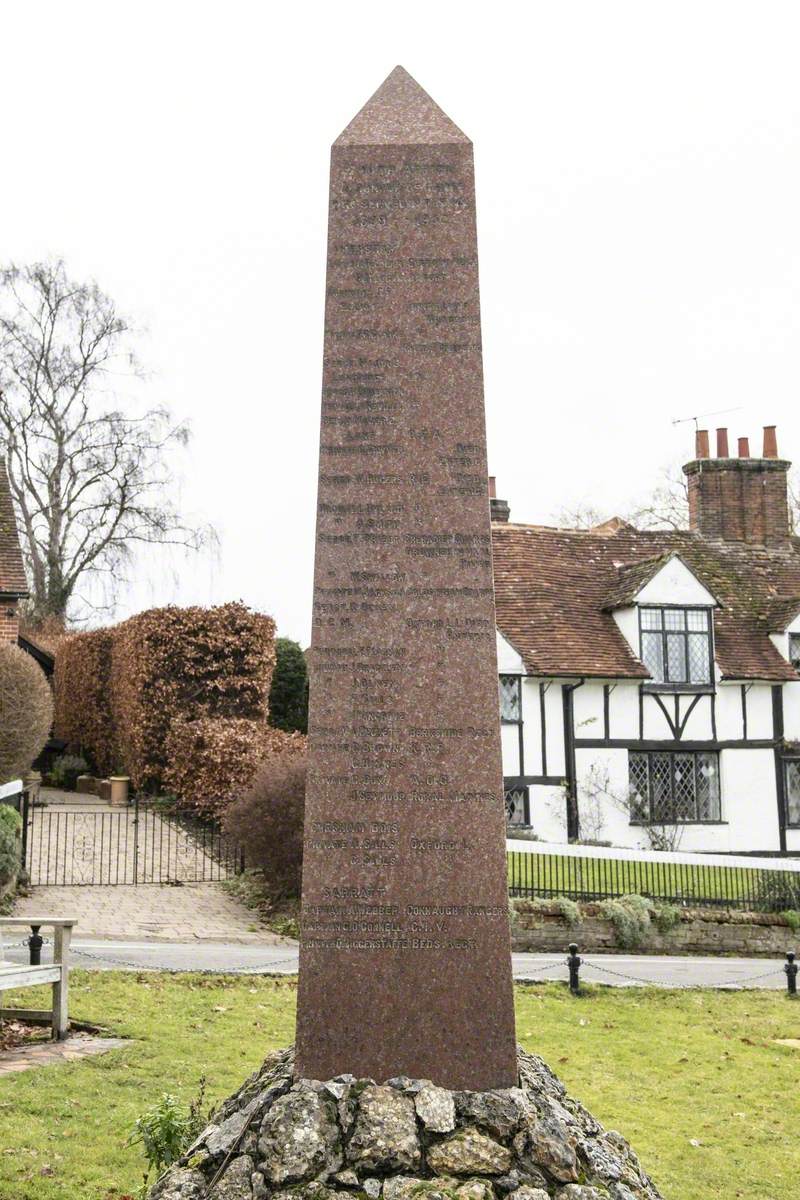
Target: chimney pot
[
  {"x": 770, "y": 442},
  {"x": 701, "y": 448},
  {"x": 492, "y": 487},
  {"x": 744, "y": 447},
  {"x": 722, "y": 444}
]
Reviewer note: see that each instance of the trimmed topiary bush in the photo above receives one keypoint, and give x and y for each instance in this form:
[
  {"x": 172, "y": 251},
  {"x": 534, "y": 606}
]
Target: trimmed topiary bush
[
  {"x": 268, "y": 821},
  {"x": 26, "y": 712}
]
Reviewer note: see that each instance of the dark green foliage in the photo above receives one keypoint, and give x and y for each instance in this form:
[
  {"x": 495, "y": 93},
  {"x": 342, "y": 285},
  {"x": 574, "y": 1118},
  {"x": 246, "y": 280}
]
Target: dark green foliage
[
  {"x": 65, "y": 771},
  {"x": 288, "y": 696},
  {"x": 10, "y": 825}
]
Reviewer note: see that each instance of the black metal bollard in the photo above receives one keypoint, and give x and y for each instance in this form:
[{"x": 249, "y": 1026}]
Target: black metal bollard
[
  {"x": 574, "y": 964},
  {"x": 791, "y": 969},
  {"x": 35, "y": 943}
]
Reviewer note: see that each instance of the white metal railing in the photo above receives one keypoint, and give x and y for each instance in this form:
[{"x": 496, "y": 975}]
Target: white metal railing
[{"x": 619, "y": 854}]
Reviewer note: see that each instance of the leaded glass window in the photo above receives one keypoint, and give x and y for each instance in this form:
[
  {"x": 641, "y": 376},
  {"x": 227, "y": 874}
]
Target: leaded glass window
[
  {"x": 511, "y": 699},
  {"x": 668, "y": 787},
  {"x": 792, "y": 768},
  {"x": 517, "y": 806},
  {"x": 676, "y": 645},
  {"x": 794, "y": 650}
]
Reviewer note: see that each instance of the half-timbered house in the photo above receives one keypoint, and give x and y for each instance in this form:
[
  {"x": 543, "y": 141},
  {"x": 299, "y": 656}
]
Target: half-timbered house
[{"x": 649, "y": 681}]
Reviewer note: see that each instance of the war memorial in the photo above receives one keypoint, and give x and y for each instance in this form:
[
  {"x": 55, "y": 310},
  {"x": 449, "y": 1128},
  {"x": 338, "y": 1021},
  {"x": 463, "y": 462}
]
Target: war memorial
[{"x": 406, "y": 1081}]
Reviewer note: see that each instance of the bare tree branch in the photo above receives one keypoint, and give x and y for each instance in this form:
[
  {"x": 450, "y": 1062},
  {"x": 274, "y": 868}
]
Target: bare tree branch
[{"x": 90, "y": 482}]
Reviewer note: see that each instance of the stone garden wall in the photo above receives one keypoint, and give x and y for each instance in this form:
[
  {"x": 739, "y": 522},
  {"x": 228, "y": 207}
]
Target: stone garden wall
[{"x": 540, "y": 926}]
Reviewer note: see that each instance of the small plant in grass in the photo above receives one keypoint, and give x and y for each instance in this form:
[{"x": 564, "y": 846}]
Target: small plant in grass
[
  {"x": 167, "y": 1129},
  {"x": 792, "y": 919}
]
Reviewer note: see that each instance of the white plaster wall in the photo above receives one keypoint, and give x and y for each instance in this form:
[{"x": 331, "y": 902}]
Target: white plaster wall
[
  {"x": 509, "y": 741},
  {"x": 759, "y": 711},
  {"x": 508, "y": 661},
  {"x": 781, "y": 643},
  {"x": 675, "y": 584},
  {"x": 749, "y": 803},
  {"x": 656, "y": 725},
  {"x": 555, "y": 730},
  {"x": 729, "y": 711},
  {"x": 699, "y": 726},
  {"x": 531, "y": 727},
  {"x": 587, "y": 702},
  {"x": 623, "y": 710},
  {"x": 602, "y": 790},
  {"x": 793, "y": 840},
  {"x": 548, "y": 813},
  {"x": 628, "y": 621},
  {"x": 791, "y": 711}
]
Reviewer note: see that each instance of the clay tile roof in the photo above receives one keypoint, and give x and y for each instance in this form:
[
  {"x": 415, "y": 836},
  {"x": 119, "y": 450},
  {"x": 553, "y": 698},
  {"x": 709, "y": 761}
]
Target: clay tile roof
[
  {"x": 12, "y": 572},
  {"x": 782, "y": 613},
  {"x": 553, "y": 588},
  {"x": 632, "y": 577}
]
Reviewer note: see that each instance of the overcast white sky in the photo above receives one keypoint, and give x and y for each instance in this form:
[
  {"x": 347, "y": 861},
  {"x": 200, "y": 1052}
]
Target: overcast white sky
[{"x": 638, "y": 179}]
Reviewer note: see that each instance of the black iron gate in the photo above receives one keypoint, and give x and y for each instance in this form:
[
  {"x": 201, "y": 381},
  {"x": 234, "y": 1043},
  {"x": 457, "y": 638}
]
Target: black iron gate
[{"x": 69, "y": 846}]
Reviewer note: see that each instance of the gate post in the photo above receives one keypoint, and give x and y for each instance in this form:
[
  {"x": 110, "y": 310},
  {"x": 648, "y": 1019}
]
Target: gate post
[
  {"x": 25, "y": 814},
  {"x": 136, "y": 838}
]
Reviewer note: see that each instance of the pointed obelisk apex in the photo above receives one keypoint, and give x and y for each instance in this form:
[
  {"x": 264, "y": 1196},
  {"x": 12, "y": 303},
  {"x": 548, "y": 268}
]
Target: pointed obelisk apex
[{"x": 400, "y": 113}]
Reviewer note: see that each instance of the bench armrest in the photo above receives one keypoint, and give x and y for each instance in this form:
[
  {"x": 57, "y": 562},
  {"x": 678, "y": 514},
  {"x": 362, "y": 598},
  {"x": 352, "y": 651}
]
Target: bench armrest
[{"x": 55, "y": 922}]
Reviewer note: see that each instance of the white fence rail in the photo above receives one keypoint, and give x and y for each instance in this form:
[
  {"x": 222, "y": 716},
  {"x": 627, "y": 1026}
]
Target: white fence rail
[{"x": 618, "y": 854}]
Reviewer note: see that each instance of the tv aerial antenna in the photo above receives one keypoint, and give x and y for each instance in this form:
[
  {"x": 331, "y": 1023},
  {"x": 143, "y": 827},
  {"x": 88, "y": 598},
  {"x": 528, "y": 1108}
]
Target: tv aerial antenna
[{"x": 717, "y": 412}]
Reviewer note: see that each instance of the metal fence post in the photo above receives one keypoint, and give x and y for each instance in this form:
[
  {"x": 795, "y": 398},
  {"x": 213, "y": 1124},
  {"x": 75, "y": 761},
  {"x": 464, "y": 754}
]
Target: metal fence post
[
  {"x": 35, "y": 943},
  {"x": 791, "y": 968},
  {"x": 574, "y": 964},
  {"x": 25, "y": 814},
  {"x": 136, "y": 837}
]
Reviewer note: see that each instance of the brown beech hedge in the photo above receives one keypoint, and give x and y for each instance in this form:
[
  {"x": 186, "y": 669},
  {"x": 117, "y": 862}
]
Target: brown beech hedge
[
  {"x": 213, "y": 760},
  {"x": 120, "y": 690},
  {"x": 82, "y": 685}
]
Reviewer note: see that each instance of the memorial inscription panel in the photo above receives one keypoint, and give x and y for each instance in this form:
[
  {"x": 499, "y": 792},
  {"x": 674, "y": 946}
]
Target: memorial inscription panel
[{"x": 405, "y": 963}]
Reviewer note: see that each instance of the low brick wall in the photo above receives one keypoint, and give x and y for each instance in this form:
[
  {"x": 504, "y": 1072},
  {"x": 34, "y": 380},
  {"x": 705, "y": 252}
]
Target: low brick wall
[{"x": 700, "y": 931}]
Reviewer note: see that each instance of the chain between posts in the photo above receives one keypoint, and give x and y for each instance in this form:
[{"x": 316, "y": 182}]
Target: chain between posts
[
  {"x": 250, "y": 969},
  {"x": 790, "y": 969}
]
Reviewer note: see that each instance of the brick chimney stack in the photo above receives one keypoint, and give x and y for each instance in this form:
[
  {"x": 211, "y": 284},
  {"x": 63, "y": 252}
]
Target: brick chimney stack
[
  {"x": 740, "y": 499},
  {"x": 499, "y": 508}
]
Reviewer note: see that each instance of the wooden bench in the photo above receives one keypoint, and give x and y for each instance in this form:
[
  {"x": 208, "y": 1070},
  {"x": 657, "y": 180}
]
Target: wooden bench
[{"x": 17, "y": 975}]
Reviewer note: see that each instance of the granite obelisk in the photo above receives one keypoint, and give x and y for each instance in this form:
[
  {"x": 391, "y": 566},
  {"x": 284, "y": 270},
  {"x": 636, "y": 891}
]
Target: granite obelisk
[{"x": 405, "y": 965}]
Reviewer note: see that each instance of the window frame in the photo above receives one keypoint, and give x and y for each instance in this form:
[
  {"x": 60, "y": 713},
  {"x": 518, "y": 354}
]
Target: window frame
[
  {"x": 794, "y": 642},
  {"x": 501, "y": 675},
  {"x": 669, "y": 685},
  {"x": 510, "y": 786},
  {"x": 650, "y": 819},
  {"x": 788, "y": 760}
]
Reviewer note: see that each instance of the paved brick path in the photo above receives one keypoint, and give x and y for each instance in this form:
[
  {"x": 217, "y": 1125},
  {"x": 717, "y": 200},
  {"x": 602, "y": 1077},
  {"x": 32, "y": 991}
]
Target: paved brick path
[
  {"x": 176, "y": 914},
  {"x": 44, "y": 1054}
]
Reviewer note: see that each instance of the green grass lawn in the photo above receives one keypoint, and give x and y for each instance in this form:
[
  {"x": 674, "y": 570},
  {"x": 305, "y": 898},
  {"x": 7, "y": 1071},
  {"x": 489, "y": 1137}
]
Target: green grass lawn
[
  {"x": 554, "y": 874},
  {"x": 694, "y": 1079}
]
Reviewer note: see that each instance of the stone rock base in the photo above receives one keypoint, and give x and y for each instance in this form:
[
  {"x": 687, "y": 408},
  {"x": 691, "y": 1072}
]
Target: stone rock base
[{"x": 278, "y": 1138}]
